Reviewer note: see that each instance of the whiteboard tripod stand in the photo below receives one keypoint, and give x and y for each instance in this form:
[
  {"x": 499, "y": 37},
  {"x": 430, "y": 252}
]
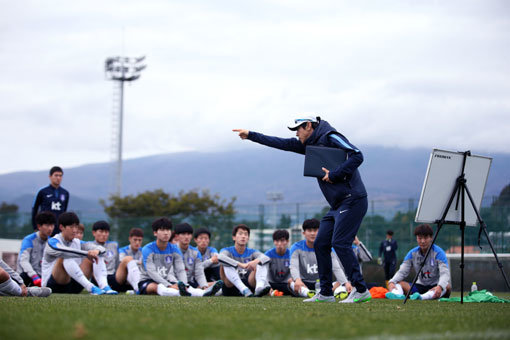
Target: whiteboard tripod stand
[{"x": 459, "y": 191}]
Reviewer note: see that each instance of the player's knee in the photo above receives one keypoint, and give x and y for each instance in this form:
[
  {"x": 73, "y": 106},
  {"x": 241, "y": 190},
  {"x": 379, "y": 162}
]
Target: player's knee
[
  {"x": 4, "y": 276},
  {"x": 127, "y": 259}
]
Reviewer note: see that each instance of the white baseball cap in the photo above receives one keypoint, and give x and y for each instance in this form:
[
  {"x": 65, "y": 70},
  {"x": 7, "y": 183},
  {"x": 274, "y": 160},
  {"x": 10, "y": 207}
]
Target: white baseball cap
[{"x": 303, "y": 119}]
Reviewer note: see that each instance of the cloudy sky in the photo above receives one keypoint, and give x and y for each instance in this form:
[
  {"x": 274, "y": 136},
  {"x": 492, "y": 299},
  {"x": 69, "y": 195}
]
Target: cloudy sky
[{"x": 393, "y": 73}]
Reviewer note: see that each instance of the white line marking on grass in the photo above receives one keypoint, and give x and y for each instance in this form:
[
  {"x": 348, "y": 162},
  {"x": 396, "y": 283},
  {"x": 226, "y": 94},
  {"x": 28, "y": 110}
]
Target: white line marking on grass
[{"x": 489, "y": 334}]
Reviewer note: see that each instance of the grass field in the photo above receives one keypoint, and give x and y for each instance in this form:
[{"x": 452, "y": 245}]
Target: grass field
[{"x": 149, "y": 317}]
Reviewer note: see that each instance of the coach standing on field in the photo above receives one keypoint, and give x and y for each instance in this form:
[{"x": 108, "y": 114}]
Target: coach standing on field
[
  {"x": 52, "y": 198},
  {"x": 343, "y": 189}
]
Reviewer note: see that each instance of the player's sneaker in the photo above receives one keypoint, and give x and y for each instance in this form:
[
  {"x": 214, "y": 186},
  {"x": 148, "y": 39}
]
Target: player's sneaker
[
  {"x": 415, "y": 296},
  {"x": 182, "y": 289},
  {"x": 394, "y": 296},
  {"x": 276, "y": 292},
  {"x": 109, "y": 291},
  {"x": 211, "y": 291},
  {"x": 320, "y": 298},
  {"x": 262, "y": 291},
  {"x": 96, "y": 291},
  {"x": 356, "y": 297},
  {"x": 38, "y": 291},
  {"x": 247, "y": 293}
]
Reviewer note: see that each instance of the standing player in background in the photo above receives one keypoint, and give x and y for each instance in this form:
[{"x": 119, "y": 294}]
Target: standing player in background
[
  {"x": 62, "y": 266},
  {"x": 209, "y": 254},
  {"x": 303, "y": 264},
  {"x": 163, "y": 271},
  {"x": 32, "y": 248},
  {"x": 239, "y": 265},
  {"x": 130, "y": 258},
  {"x": 345, "y": 192},
  {"x": 276, "y": 273},
  {"x": 388, "y": 248},
  {"x": 197, "y": 284},
  {"x": 11, "y": 284},
  {"x": 52, "y": 198}
]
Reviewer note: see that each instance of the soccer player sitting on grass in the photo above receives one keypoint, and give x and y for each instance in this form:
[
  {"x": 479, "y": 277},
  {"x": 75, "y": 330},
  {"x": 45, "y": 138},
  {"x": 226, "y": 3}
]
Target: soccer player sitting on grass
[
  {"x": 130, "y": 258},
  {"x": 80, "y": 231},
  {"x": 276, "y": 272},
  {"x": 163, "y": 270},
  {"x": 209, "y": 254},
  {"x": 101, "y": 233},
  {"x": 239, "y": 266},
  {"x": 32, "y": 248},
  {"x": 11, "y": 284},
  {"x": 303, "y": 264},
  {"x": 434, "y": 279},
  {"x": 197, "y": 284},
  {"x": 361, "y": 252},
  {"x": 62, "y": 267}
]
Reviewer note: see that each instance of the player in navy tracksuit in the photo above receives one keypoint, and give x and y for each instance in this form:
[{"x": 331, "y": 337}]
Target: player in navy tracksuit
[
  {"x": 52, "y": 198},
  {"x": 345, "y": 192}
]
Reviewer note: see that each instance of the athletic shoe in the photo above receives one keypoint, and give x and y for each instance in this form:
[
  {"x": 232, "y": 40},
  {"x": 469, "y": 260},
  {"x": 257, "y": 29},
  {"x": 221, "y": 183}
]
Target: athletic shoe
[
  {"x": 214, "y": 288},
  {"x": 182, "y": 289},
  {"x": 415, "y": 296},
  {"x": 355, "y": 297},
  {"x": 38, "y": 291},
  {"x": 247, "y": 292},
  {"x": 320, "y": 298},
  {"x": 96, "y": 291},
  {"x": 109, "y": 291},
  {"x": 276, "y": 292},
  {"x": 394, "y": 296},
  {"x": 263, "y": 291}
]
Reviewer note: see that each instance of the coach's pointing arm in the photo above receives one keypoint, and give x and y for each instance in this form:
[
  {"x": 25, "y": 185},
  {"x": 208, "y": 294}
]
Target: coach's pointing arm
[{"x": 285, "y": 144}]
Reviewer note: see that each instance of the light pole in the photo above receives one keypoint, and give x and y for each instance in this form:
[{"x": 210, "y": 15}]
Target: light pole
[{"x": 120, "y": 69}]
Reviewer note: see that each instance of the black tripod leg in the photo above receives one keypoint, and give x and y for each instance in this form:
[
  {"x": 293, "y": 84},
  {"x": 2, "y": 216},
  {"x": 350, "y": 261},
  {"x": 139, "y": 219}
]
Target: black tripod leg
[{"x": 483, "y": 226}]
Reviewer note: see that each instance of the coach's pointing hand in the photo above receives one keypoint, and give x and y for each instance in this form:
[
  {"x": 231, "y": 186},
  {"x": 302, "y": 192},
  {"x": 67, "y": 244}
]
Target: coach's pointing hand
[{"x": 242, "y": 133}]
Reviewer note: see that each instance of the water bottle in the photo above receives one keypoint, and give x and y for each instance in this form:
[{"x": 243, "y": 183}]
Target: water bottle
[
  {"x": 317, "y": 286},
  {"x": 474, "y": 287}
]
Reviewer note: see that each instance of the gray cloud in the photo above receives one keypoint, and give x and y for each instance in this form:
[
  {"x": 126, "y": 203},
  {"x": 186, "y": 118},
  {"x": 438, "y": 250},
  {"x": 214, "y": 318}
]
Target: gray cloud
[{"x": 404, "y": 74}]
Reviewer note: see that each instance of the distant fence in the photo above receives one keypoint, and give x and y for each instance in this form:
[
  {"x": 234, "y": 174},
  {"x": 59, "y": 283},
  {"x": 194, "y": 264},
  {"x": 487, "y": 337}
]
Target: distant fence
[{"x": 395, "y": 214}]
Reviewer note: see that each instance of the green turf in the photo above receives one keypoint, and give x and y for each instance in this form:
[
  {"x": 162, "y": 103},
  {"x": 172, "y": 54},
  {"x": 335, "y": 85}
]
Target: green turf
[{"x": 150, "y": 317}]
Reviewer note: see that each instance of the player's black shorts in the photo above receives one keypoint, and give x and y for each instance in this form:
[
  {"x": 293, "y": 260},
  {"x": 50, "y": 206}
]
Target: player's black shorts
[
  {"x": 26, "y": 279},
  {"x": 112, "y": 282},
  {"x": 72, "y": 287},
  {"x": 310, "y": 285},
  {"x": 423, "y": 289},
  {"x": 233, "y": 291},
  {"x": 212, "y": 274},
  {"x": 281, "y": 286},
  {"x": 142, "y": 286}
]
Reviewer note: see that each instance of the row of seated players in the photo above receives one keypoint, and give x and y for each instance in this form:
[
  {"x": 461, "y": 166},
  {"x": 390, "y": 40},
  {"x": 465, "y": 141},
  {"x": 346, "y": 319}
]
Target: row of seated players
[{"x": 66, "y": 264}]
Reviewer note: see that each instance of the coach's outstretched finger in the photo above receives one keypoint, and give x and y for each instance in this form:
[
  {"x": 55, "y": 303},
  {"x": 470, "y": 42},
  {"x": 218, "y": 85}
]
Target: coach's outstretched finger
[{"x": 242, "y": 133}]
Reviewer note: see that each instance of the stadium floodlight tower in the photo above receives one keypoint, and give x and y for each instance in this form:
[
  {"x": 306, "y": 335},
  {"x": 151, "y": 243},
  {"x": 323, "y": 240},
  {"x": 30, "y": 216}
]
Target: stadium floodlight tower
[{"x": 120, "y": 69}]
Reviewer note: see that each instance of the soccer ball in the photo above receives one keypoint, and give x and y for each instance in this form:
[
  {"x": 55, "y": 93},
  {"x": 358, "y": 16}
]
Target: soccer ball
[{"x": 341, "y": 293}]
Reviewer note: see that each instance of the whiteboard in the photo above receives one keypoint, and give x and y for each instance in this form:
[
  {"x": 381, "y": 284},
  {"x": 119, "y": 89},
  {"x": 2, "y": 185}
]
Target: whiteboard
[{"x": 443, "y": 170}]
